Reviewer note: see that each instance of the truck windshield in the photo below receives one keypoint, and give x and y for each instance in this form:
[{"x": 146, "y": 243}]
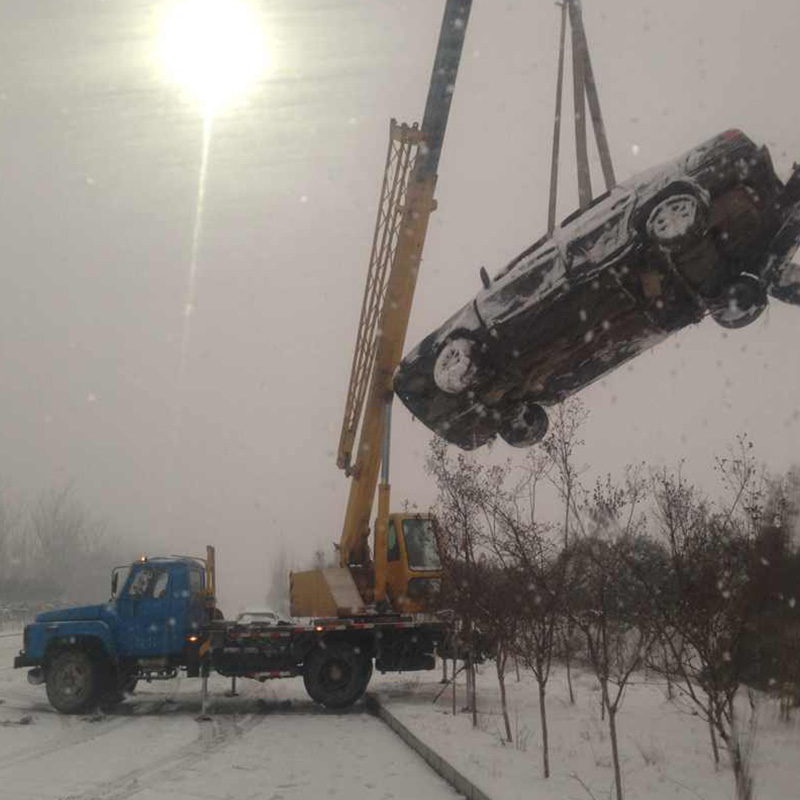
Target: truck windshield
[
  {"x": 421, "y": 547},
  {"x": 119, "y": 576}
]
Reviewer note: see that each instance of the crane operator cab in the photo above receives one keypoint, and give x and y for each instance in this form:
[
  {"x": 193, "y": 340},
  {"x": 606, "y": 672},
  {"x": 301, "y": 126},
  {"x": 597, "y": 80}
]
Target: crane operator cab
[
  {"x": 404, "y": 577},
  {"x": 413, "y": 566}
]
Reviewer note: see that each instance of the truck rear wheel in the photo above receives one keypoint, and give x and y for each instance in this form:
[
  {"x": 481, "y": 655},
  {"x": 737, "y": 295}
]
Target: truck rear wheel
[
  {"x": 72, "y": 681},
  {"x": 336, "y": 675}
]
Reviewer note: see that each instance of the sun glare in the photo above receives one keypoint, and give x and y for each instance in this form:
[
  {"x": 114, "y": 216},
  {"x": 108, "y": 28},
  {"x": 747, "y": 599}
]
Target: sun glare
[{"x": 214, "y": 49}]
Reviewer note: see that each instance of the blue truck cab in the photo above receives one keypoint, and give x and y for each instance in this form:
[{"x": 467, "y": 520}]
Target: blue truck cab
[{"x": 148, "y": 628}]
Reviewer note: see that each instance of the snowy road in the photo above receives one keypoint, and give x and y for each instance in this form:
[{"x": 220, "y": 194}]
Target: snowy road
[{"x": 269, "y": 743}]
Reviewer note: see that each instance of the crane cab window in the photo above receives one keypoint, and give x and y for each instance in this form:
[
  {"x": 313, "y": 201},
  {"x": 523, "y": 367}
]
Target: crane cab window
[
  {"x": 421, "y": 545},
  {"x": 392, "y": 545}
]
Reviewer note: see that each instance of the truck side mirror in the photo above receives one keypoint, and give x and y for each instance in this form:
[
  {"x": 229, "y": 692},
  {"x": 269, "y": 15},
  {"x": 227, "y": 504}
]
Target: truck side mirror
[{"x": 114, "y": 582}]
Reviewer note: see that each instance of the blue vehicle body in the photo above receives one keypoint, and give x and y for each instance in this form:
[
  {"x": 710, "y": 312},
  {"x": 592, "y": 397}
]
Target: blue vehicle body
[
  {"x": 161, "y": 603},
  {"x": 164, "y": 619}
]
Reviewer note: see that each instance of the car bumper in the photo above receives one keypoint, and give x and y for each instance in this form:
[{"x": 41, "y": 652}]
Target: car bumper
[{"x": 24, "y": 660}]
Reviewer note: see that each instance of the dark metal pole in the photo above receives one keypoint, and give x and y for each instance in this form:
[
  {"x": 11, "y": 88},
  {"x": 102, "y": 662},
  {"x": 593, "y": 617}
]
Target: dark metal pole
[
  {"x": 593, "y": 97},
  {"x": 579, "y": 88},
  {"x": 551, "y": 213},
  {"x": 443, "y": 81}
]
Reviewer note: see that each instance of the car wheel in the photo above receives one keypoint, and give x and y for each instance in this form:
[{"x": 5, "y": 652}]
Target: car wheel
[
  {"x": 73, "y": 681},
  {"x": 455, "y": 368},
  {"x": 336, "y": 676},
  {"x": 742, "y": 302},
  {"x": 524, "y": 425},
  {"x": 676, "y": 218}
]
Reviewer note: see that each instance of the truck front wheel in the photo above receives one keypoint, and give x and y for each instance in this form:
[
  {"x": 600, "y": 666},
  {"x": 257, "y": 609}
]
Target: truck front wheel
[
  {"x": 72, "y": 681},
  {"x": 336, "y": 675}
]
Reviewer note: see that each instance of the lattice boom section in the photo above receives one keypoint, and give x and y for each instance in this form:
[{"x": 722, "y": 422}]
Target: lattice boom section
[{"x": 404, "y": 141}]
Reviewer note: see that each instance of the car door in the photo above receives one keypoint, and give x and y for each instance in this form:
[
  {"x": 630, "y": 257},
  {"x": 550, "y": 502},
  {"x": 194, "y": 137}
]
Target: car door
[
  {"x": 145, "y": 613},
  {"x": 514, "y": 306}
]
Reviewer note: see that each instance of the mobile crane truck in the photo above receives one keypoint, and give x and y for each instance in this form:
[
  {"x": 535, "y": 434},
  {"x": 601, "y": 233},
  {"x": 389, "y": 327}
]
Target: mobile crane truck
[{"x": 162, "y": 616}]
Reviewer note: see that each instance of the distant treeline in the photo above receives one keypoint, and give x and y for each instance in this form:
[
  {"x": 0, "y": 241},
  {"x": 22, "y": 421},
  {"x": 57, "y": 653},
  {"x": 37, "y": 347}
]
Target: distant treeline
[{"x": 53, "y": 550}]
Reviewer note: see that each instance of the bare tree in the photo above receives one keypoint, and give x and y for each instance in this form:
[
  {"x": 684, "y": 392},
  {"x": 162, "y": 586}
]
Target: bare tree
[
  {"x": 608, "y": 605},
  {"x": 499, "y": 612},
  {"x": 711, "y": 602},
  {"x": 538, "y": 570},
  {"x": 561, "y": 446},
  {"x": 460, "y": 512}
]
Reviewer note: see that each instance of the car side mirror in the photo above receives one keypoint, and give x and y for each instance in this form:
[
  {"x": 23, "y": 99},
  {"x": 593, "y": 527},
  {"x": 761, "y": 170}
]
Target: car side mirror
[{"x": 485, "y": 280}]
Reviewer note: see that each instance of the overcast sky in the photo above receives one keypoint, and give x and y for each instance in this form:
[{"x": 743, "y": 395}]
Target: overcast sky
[{"x": 232, "y": 439}]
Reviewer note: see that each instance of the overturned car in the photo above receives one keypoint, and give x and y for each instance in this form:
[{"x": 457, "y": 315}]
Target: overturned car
[{"x": 711, "y": 233}]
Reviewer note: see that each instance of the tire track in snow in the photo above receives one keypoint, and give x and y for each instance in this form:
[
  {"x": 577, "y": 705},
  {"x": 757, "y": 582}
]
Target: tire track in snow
[
  {"x": 212, "y": 737},
  {"x": 89, "y": 730}
]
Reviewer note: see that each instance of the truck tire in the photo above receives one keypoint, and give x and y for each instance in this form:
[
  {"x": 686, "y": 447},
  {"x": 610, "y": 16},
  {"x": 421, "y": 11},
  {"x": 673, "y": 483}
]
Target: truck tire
[
  {"x": 73, "y": 681},
  {"x": 336, "y": 675}
]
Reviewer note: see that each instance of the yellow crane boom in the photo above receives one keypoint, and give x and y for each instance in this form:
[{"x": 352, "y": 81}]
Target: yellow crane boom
[
  {"x": 406, "y": 203},
  {"x": 403, "y": 557}
]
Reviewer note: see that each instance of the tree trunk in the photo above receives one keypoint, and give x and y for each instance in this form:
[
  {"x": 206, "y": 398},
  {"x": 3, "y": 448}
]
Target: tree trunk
[
  {"x": 741, "y": 771},
  {"x": 516, "y": 667},
  {"x": 500, "y": 663},
  {"x": 455, "y": 673},
  {"x": 467, "y": 685},
  {"x": 612, "y": 729},
  {"x": 474, "y": 700},
  {"x": 543, "y": 718},
  {"x": 568, "y": 659},
  {"x": 714, "y": 745},
  {"x": 444, "y": 670}
]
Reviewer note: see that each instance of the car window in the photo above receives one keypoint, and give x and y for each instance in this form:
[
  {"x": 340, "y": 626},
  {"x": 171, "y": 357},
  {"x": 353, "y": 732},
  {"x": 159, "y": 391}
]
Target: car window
[
  {"x": 580, "y": 211},
  {"x": 529, "y": 252},
  {"x": 597, "y": 238},
  {"x": 529, "y": 282}
]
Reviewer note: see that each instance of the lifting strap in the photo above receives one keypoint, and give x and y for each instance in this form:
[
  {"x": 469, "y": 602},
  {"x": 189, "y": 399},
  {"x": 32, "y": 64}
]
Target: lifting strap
[
  {"x": 551, "y": 213},
  {"x": 584, "y": 90}
]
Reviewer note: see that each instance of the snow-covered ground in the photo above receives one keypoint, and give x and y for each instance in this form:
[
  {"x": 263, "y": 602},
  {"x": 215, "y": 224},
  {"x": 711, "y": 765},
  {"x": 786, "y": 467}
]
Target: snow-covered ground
[
  {"x": 665, "y": 750},
  {"x": 269, "y": 743}
]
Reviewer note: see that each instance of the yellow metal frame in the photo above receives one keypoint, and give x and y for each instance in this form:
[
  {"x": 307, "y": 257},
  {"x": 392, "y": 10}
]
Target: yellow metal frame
[{"x": 404, "y": 209}]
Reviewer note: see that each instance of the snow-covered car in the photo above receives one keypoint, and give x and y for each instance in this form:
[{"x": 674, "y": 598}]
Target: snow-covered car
[
  {"x": 711, "y": 233},
  {"x": 260, "y": 616}
]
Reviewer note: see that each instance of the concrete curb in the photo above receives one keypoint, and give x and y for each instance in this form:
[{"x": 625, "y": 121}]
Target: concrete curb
[{"x": 439, "y": 765}]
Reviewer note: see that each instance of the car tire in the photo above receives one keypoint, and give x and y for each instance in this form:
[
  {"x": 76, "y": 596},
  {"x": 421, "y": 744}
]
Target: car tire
[
  {"x": 73, "y": 681},
  {"x": 675, "y": 219},
  {"x": 336, "y": 676},
  {"x": 524, "y": 424},
  {"x": 456, "y": 366},
  {"x": 743, "y": 301}
]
